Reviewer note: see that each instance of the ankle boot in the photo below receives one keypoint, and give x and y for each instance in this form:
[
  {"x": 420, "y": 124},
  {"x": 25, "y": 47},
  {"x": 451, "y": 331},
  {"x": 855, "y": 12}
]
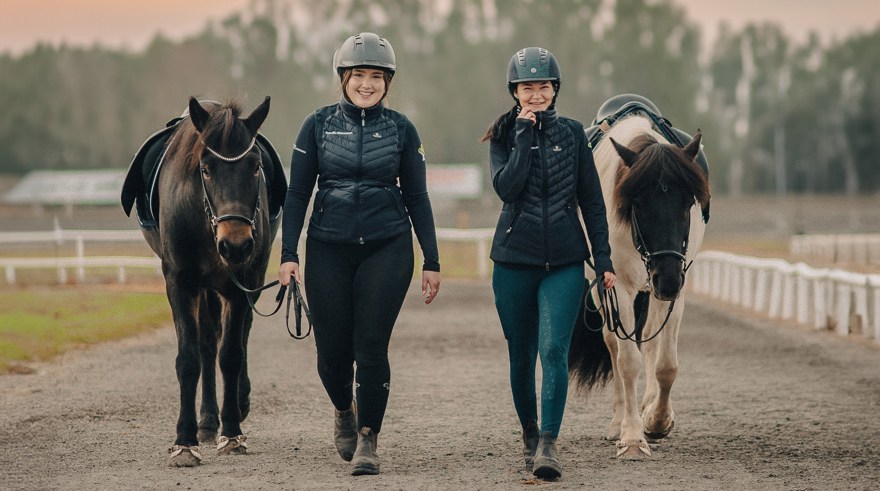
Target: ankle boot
[
  {"x": 546, "y": 464},
  {"x": 345, "y": 431},
  {"x": 365, "y": 459},
  {"x": 530, "y": 437}
]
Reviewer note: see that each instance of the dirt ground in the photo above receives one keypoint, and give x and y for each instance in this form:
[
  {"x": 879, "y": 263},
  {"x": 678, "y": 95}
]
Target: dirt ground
[{"x": 759, "y": 406}]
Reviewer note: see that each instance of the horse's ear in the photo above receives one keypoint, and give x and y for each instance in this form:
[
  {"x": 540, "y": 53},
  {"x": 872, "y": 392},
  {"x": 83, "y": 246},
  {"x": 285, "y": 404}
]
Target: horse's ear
[
  {"x": 693, "y": 148},
  {"x": 628, "y": 156},
  {"x": 198, "y": 114},
  {"x": 256, "y": 118}
]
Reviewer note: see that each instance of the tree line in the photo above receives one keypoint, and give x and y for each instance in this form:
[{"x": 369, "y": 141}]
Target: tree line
[{"x": 777, "y": 115}]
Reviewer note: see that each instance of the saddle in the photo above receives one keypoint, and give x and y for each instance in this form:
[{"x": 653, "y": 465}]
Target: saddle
[
  {"x": 141, "y": 181},
  {"x": 623, "y": 105}
]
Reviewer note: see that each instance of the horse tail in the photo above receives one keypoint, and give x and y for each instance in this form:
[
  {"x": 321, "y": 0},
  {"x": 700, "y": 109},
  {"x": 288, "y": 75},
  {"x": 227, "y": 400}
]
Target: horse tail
[{"x": 589, "y": 361}]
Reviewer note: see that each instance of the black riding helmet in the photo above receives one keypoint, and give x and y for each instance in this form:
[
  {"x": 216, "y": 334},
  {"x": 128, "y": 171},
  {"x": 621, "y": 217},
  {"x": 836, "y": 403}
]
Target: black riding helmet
[
  {"x": 533, "y": 65},
  {"x": 365, "y": 50}
]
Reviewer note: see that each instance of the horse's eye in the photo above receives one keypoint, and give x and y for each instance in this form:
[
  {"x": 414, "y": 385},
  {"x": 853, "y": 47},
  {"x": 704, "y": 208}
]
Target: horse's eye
[
  {"x": 257, "y": 170},
  {"x": 205, "y": 172}
]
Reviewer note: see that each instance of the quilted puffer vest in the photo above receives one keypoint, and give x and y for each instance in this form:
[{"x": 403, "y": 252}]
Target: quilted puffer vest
[{"x": 358, "y": 199}]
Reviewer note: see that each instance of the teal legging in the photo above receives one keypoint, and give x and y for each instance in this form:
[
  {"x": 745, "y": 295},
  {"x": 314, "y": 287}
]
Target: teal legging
[{"x": 537, "y": 309}]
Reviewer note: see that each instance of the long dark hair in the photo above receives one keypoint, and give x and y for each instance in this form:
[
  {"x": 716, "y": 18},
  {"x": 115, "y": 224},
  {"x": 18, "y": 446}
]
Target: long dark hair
[{"x": 501, "y": 126}]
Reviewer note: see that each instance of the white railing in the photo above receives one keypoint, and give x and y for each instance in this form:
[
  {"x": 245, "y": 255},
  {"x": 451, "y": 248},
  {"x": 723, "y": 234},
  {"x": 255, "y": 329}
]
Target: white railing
[
  {"x": 840, "y": 248},
  {"x": 848, "y": 303},
  {"x": 481, "y": 238}
]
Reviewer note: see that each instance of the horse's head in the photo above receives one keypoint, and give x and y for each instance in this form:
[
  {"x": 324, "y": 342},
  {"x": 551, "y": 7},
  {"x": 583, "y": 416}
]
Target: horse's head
[
  {"x": 656, "y": 188},
  {"x": 230, "y": 165}
]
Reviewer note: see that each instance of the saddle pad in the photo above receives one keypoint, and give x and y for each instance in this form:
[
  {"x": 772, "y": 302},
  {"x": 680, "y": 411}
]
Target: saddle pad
[{"x": 141, "y": 181}]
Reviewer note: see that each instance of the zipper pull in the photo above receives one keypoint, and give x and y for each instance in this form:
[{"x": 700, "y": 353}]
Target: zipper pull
[
  {"x": 363, "y": 117},
  {"x": 546, "y": 266}
]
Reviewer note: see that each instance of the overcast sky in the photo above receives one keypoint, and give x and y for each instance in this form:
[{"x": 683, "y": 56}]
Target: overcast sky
[{"x": 131, "y": 24}]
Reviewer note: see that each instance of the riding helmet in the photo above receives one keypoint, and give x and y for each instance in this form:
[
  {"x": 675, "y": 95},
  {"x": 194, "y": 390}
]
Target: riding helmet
[
  {"x": 533, "y": 65},
  {"x": 365, "y": 50}
]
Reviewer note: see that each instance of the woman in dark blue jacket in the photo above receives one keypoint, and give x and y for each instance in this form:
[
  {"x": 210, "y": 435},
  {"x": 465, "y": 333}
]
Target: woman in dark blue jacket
[
  {"x": 542, "y": 169},
  {"x": 369, "y": 164}
]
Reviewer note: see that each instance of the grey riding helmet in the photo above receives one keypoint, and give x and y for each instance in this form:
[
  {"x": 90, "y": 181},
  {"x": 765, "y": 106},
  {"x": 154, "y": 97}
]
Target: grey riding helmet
[
  {"x": 365, "y": 50},
  {"x": 533, "y": 65}
]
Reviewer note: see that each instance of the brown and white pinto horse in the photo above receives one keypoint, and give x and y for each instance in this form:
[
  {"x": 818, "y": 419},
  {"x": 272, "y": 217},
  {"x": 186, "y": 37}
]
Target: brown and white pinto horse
[{"x": 653, "y": 193}]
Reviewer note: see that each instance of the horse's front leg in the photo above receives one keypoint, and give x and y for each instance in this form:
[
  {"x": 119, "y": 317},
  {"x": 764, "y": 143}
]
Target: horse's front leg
[
  {"x": 231, "y": 361},
  {"x": 244, "y": 381},
  {"x": 632, "y": 444},
  {"x": 183, "y": 295},
  {"x": 657, "y": 412},
  {"x": 617, "y": 401},
  {"x": 209, "y": 327}
]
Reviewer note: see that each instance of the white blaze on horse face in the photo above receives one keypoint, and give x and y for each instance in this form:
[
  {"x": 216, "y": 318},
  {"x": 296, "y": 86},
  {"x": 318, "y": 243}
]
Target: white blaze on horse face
[{"x": 535, "y": 96}]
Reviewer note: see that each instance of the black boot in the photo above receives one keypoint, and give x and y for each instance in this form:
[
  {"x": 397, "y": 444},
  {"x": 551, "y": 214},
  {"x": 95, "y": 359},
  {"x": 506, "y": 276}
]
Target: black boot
[
  {"x": 546, "y": 465},
  {"x": 345, "y": 431},
  {"x": 530, "y": 437},
  {"x": 365, "y": 460}
]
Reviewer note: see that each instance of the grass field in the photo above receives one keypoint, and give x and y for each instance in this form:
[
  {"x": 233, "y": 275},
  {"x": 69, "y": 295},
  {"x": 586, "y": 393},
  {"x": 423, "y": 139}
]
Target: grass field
[{"x": 37, "y": 324}]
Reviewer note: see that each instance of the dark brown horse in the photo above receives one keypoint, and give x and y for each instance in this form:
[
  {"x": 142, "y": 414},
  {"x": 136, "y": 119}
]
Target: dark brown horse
[{"x": 212, "y": 223}]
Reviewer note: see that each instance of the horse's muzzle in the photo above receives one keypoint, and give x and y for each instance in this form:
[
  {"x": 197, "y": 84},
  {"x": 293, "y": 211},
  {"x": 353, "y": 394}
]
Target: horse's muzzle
[
  {"x": 667, "y": 281},
  {"x": 235, "y": 242}
]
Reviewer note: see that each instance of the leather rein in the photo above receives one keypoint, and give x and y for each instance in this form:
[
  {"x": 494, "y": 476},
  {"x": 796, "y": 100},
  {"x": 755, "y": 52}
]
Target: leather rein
[{"x": 293, "y": 294}]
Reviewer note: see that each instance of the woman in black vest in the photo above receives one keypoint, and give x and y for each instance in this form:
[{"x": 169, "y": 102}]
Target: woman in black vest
[
  {"x": 359, "y": 245},
  {"x": 542, "y": 169}
]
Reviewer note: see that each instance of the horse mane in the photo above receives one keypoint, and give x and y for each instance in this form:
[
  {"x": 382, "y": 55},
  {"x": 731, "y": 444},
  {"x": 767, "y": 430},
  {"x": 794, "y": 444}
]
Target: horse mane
[
  {"x": 221, "y": 129},
  {"x": 656, "y": 160}
]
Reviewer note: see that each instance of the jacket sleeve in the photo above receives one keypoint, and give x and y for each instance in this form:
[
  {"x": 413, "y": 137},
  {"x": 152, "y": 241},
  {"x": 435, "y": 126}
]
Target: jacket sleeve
[
  {"x": 592, "y": 206},
  {"x": 510, "y": 168},
  {"x": 303, "y": 174},
  {"x": 414, "y": 187}
]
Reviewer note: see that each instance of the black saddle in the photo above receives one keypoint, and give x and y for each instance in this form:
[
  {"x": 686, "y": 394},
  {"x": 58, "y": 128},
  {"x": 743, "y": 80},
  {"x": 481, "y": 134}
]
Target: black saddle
[
  {"x": 141, "y": 182},
  {"x": 623, "y": 105}
]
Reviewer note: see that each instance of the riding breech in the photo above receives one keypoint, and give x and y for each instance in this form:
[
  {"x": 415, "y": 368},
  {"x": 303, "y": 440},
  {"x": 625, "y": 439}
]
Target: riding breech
[
  {"x": 355, "y": 292},
  {"x": 537, "y": 309}
]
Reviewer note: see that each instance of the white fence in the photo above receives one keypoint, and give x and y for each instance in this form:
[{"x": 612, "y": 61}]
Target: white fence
[
  {"x": 842, "y": 248},
  {"x": 848, "y": 303},
  {"x": 481, "y": 238}
]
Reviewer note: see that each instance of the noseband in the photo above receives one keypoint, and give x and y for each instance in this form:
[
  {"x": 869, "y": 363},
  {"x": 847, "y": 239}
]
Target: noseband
[{"x": 209, "y": 208}]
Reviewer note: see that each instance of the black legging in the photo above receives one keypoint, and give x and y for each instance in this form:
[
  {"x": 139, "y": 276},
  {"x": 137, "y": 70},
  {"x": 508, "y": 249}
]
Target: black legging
[{"x": 355, "y": 293}]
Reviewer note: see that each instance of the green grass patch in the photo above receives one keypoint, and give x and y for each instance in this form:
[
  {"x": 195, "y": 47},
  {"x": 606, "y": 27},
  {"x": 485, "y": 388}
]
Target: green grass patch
[{"x": 36, "y": 325}]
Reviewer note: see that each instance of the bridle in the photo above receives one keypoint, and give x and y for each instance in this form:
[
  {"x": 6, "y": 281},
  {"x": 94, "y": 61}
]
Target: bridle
[
  {"x": 209, "y": 207},
  {"x": 648, "y": 256},
  {"x": 608, "y": 302},
  {"x": 293, "y": 294}
]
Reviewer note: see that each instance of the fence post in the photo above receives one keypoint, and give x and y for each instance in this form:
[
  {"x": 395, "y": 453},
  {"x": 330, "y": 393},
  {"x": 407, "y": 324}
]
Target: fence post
[
  {"x": 10, "y": 275},
  {"x": 80, "y": 259}
]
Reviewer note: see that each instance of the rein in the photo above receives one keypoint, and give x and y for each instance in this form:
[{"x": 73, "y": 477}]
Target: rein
[{"x": 293, "y": 295}]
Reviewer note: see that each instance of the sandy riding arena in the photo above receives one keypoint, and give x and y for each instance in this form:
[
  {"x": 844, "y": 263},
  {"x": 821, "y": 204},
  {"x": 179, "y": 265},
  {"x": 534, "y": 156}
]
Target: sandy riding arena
[{"x": 759, "y": 405}]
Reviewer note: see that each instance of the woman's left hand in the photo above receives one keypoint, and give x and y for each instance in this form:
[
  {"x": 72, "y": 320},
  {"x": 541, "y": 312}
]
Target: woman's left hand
[
  {"x": 608, "y": 279},
  {"x": 430, "y": 285}
]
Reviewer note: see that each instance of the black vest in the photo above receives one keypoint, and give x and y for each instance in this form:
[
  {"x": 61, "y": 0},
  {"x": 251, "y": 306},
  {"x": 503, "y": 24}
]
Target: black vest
[{"x": 358, "y": 199}]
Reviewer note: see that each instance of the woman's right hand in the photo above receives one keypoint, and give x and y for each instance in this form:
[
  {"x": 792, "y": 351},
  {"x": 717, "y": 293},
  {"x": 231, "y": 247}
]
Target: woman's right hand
[
  {"x": 525, "y": 113},
  {"x": 287, "y": 270}
]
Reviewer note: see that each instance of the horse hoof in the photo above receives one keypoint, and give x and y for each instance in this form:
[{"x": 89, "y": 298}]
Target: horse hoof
[
  {"x": 633, "y": 450},
  {"x": 653, "y": 436},
  {"x": 207, "y": 435},
  {"x": 185, "y": 456},
  {"x": 234, "y": 445}
]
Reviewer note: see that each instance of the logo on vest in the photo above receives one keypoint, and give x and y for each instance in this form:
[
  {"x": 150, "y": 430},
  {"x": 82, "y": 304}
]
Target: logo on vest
[
  {"x": 556, "y": 148},
  {"x": 338, "y": 133},
  {"x": 422, "y": 151},
  {"x": 377, "y": 135}
]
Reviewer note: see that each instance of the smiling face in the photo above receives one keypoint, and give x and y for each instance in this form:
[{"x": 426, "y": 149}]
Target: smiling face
[
  {"x": 365, "y": 87},
  {"x": 535, "y": 96}
]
